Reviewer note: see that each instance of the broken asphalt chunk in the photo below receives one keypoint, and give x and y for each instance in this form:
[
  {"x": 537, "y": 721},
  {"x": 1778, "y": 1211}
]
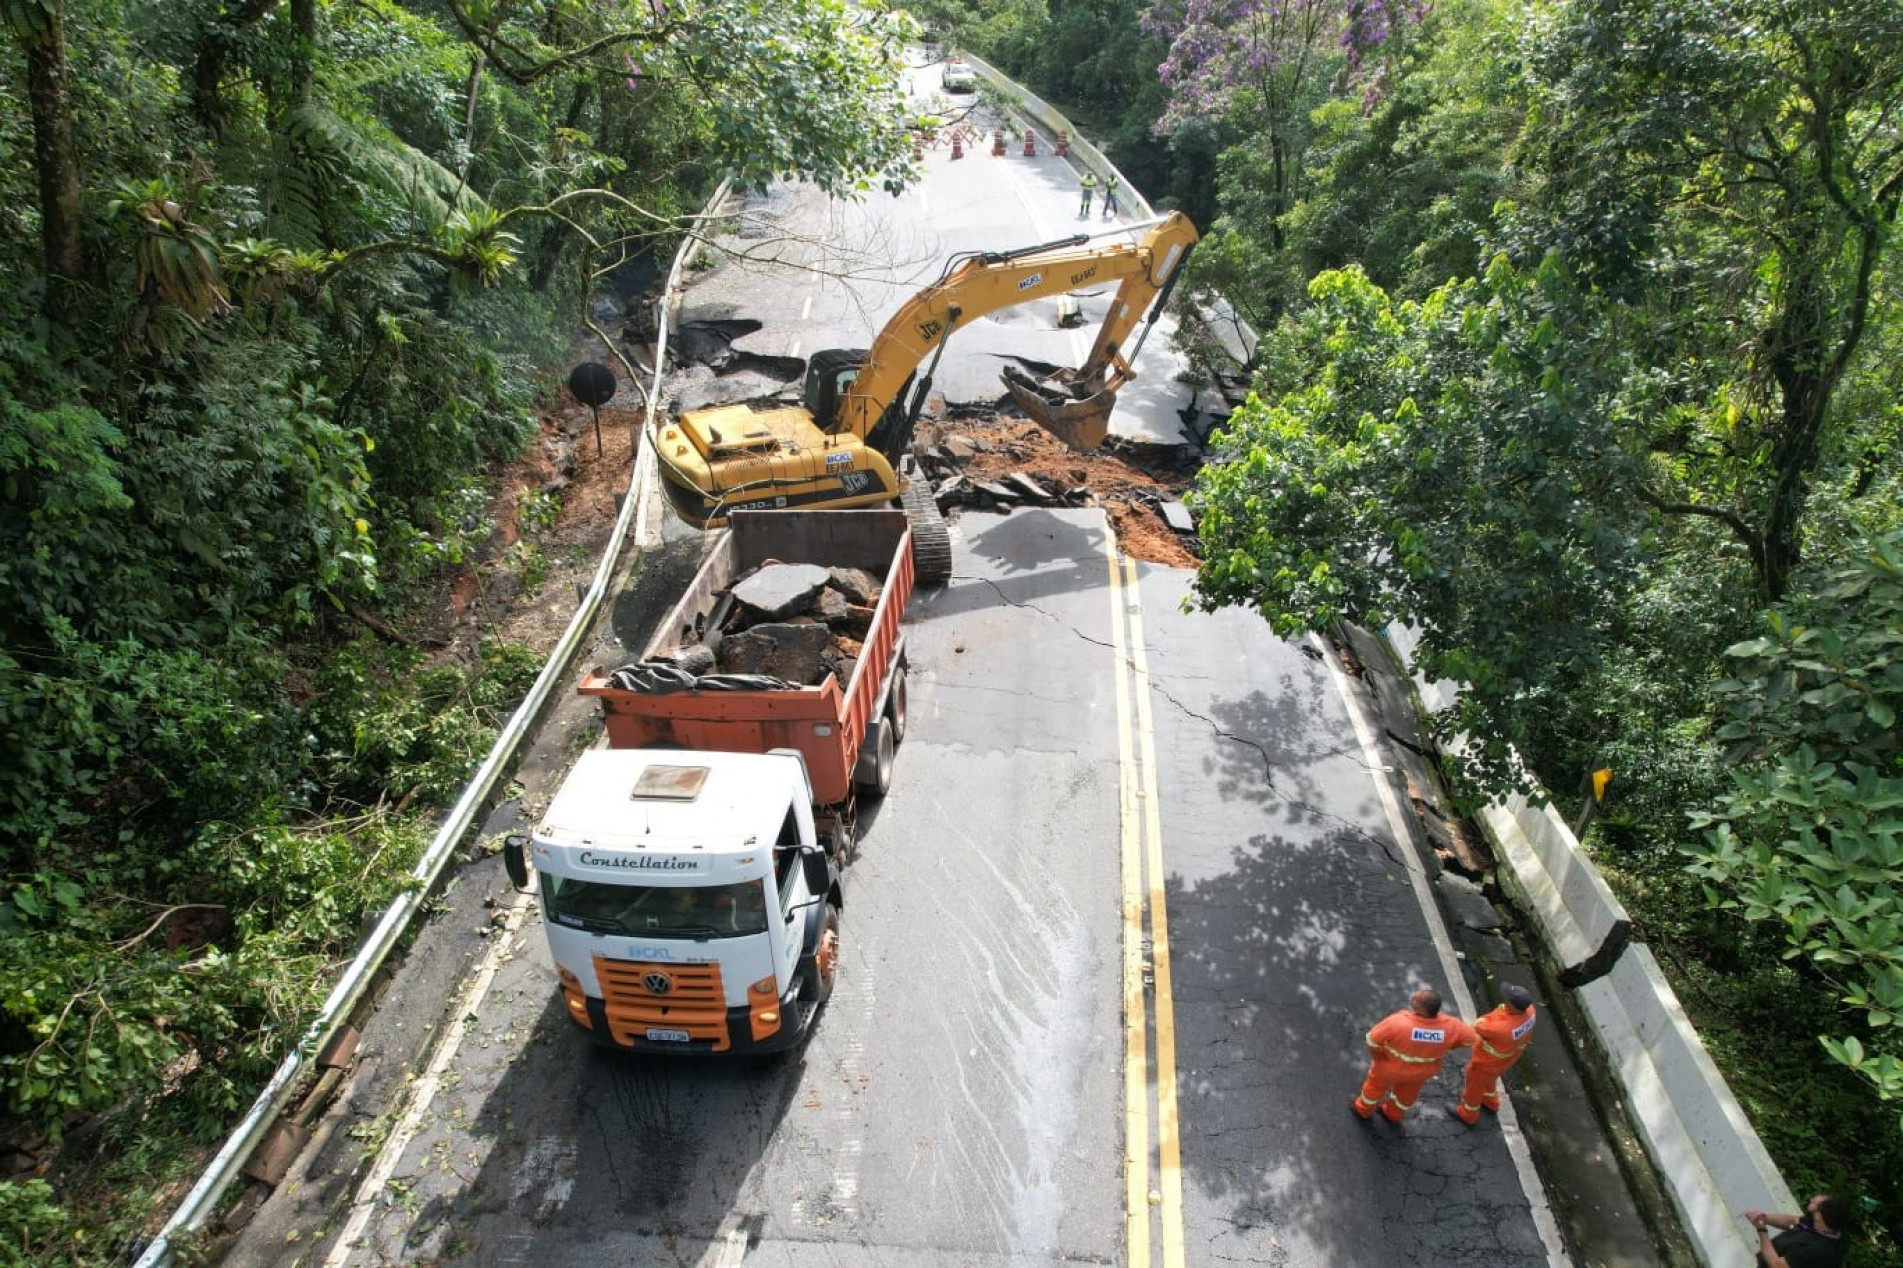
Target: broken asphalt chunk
[
  {"x": 1032, "y": 491},
  {"x": 1177, "y": 516}
]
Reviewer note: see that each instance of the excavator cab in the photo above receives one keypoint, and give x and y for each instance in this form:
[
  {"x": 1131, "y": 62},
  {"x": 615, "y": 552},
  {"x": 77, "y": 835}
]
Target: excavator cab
[{"x": 830, "y": 375}]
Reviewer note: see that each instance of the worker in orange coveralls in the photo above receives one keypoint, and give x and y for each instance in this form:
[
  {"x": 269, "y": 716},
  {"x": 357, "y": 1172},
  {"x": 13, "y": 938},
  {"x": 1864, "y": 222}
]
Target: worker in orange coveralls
[
  {"x": 1504, "y": 1034},
  {"x": 1406, "y": 1050}
]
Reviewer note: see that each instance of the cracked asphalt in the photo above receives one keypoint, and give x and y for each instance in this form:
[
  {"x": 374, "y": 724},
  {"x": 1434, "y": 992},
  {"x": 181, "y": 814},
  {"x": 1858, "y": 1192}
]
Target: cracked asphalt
[{"x": 963, "y": 1100}]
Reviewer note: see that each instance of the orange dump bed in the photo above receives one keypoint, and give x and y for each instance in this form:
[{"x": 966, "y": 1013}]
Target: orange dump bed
[{"x": 826, "y": 723}]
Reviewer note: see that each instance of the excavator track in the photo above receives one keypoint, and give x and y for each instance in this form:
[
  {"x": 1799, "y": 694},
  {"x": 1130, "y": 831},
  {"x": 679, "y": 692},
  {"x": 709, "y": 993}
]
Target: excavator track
[{"x": 931, "y": 535}]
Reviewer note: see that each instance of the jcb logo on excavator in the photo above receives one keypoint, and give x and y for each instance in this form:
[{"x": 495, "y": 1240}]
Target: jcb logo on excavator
[
  {"x": 1084, "y": 276},
  {"x": 929, "y": 330}
]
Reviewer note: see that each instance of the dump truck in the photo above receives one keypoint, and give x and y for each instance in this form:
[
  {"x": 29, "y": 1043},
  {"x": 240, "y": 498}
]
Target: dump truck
[
  {"x": 691, "y": 870},
  {"x": 846, "y": 443}
]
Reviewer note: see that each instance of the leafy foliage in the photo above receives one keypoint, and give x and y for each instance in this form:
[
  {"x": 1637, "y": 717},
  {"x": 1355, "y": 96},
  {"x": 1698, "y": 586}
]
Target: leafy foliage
[
  {"x": 1811, "y": 836},
  {"x": 1756, "y": 140},
  {"x": 36, "y": 1223},
  {"x": 1445, "y": 464},
  {"x": 219, "y": 953},
  {"x": 301, "y": 265},
  {"x": 1660, "y": 379}
]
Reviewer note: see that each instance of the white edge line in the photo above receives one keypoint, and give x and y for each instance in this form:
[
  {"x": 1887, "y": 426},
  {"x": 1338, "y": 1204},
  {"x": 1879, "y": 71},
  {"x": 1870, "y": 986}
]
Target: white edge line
[
  {"x": 1444, "y": 947},
  {"x": 425, "y": 1088}
]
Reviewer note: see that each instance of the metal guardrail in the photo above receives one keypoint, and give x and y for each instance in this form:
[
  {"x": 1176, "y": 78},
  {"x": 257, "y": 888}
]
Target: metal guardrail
[{"x": 349, "y": 991}]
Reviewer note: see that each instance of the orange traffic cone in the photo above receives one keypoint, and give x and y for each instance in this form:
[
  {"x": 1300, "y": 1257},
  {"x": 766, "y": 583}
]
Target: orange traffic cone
[
  {"x": 1063, "y": 144},
  {"x": 997, "y": 141},
  {"x": 1030, "y": 145},
  {"x": 958, "y": 144}
]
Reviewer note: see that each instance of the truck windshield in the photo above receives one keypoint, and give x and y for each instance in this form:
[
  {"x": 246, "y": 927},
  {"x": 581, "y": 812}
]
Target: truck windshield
[{"x": 705, "y": 911}]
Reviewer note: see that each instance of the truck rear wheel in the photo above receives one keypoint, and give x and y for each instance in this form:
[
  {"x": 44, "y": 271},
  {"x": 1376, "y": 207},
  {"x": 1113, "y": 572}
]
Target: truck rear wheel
[
  {"x": 819, "y": 984},
  {"x": 873, "y": 771},
  {"x": 842, "y": 840},
  {"x": 895, "y": 707}
]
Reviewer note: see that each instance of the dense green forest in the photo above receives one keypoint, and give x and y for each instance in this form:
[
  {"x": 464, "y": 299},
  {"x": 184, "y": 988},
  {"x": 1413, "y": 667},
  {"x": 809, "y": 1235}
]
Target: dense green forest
[
  {"x": 282, "y": 278},
  {"x": 1578, "y": 353}
]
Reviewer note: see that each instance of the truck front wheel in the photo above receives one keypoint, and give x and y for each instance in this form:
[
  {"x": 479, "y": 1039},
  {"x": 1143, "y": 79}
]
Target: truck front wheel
[{"x": 819, "y": 986}]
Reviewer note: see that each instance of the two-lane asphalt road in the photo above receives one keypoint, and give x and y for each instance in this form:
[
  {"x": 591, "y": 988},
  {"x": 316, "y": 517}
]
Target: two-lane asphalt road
[
  {"x": 1142, "y": 882},
  {"x": 1110, "y": 945}
]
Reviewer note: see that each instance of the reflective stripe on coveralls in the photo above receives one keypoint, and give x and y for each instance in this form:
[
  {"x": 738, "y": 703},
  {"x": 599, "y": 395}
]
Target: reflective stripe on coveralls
[
  {"x": 1503, "y": 1038},
  {"x": 1406, "y": 1050}
]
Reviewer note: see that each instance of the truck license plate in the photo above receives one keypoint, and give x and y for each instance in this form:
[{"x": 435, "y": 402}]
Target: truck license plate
[{"x": 668, "y": 1036}]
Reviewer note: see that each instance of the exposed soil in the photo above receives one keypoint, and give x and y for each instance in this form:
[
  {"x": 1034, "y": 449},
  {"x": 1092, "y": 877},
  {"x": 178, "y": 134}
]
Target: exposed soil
[
  {"x": 524, "y": 585},
  {"x": 1126, "y": 480}
]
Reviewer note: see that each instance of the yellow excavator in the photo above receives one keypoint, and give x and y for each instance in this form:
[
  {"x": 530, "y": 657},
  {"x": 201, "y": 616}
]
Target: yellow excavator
[{"x": 842, "y": 446}]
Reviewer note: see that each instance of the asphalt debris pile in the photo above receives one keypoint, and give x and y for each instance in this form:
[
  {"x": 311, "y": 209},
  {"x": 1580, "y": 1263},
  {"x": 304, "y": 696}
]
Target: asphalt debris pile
[
  {"x": 999, "y": 463},
  {"x": 778, "y": 626}
]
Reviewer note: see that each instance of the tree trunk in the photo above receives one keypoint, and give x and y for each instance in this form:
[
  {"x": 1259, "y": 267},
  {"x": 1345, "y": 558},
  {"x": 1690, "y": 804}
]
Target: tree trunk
[
  {"x": 57, "y": 160},
  {"x": 1278, "y": 183},
  {"x": 216, "y": 42},
  {"x": 303, "y": 74},
  {"x": 548, "y": 248},
  {"x": 1819, "y": 326}
]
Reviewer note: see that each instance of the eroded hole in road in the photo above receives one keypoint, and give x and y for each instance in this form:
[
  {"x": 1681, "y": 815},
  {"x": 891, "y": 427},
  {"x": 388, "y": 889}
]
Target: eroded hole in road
[
  {"x": 713, "y": 372},
  {"x": 789, "y": 370},
  {"x": 710, "y": 343}
]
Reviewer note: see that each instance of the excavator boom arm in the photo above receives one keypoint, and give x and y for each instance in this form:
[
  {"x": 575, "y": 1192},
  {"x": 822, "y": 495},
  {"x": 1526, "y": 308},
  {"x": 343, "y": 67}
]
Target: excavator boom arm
[{"x": 986, "y": 283}]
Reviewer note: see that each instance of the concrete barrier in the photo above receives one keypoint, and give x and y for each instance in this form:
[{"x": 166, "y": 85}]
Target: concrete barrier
[
  {"x": 1697, "y": 1135},
  {"x": 1710, "y": 1158},
  {"x": 1579, "y": 916}
]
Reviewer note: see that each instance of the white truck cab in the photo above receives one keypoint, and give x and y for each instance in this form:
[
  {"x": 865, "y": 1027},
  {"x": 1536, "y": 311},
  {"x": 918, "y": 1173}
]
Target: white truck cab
[{"x": 689, "y": 905}]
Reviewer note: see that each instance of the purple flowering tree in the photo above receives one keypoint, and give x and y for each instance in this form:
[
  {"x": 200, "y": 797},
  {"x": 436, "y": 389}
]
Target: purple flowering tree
[{"x": 1258, "y": 67}]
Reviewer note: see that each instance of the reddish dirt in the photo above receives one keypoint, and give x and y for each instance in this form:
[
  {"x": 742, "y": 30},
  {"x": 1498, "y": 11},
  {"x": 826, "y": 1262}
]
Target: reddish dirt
[
  {"x": 488, "y": 597},
  {"x": 1118, "y": 482}
]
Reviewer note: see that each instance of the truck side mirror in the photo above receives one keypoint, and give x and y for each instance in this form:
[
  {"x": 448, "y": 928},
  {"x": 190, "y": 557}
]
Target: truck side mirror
[
  {"x": 515, "y": 859},
  {"x": 818, "y": 877}
]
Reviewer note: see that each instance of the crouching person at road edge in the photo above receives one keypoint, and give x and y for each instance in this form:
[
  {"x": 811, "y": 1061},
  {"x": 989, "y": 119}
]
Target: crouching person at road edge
[
  {"x": 1503, "y": 1034},
  {"x": 1814, "y": 1239},
  {"x": 1405, "y": 1050}
]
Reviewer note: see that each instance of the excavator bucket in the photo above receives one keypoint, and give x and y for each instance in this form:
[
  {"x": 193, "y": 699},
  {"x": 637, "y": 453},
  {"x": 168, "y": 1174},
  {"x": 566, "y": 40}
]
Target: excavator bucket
[{"x": 1073, "y": 412}]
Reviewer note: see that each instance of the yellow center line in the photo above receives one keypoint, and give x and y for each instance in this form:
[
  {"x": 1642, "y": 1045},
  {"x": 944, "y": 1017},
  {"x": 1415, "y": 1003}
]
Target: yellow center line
[
  {"x": 1169, "y": 1162},
  {"x": 1136, "y": 1107},
  {"x": 1140, "y": 818}
]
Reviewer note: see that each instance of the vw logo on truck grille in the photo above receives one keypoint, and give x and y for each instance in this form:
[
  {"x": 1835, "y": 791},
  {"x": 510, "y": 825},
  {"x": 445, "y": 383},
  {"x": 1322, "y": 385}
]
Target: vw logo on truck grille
[{"x": 657, "y": 983}]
